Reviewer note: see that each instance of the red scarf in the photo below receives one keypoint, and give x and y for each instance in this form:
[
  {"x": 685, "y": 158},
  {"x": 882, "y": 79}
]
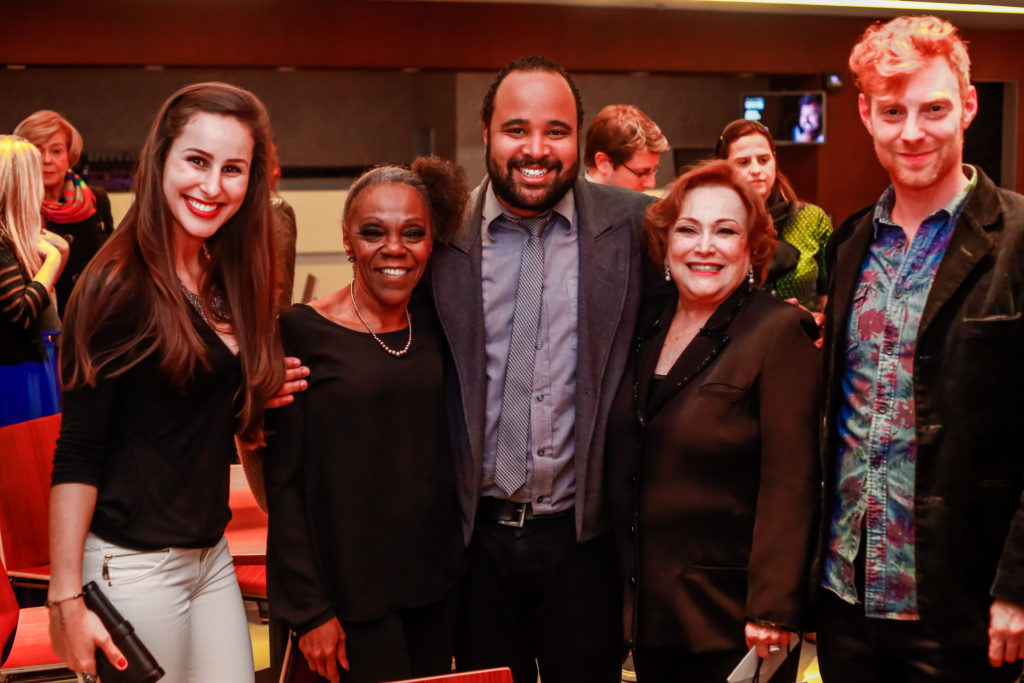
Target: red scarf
[{"x": 76, "y": 203}]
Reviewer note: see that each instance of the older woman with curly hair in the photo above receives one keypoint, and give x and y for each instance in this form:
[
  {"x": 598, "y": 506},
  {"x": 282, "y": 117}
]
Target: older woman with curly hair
[{"x": 712, "y": 480}]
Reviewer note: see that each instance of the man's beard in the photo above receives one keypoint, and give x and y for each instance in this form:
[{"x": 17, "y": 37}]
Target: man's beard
[{"x": 503, "y": 180}]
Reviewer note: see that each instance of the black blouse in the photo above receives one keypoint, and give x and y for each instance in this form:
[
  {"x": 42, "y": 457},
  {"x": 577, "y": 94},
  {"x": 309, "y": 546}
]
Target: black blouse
[
  {"x": 360, "y": 475},
  {"x": 159, "y": 456}
]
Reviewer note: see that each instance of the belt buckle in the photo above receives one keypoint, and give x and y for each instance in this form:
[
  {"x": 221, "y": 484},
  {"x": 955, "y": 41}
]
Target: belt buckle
[{"x": 517, "y": 523}]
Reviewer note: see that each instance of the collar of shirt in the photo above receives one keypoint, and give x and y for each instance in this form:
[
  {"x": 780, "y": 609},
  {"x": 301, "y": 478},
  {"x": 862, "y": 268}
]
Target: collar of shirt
[
  {"x": 492, "y": 210},
  {"x": 946, "y": 216},
  {"x": 588, "y": 177}
]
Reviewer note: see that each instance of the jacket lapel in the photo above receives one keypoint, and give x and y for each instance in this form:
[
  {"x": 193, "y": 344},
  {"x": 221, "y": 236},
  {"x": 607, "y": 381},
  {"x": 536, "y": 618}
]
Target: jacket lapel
[
  {"x": 849, "y": 261},
  {"x": 968, "y": 245},
  {"x": 647, "y": 347},
  {"x": 699, "y": 353},
  {"x": 604, "y": 277},
  {"x": 457, "y": 285}
]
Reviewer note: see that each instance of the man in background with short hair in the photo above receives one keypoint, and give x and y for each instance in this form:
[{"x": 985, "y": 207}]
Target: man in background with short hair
[{"x": 623, "y": 147}]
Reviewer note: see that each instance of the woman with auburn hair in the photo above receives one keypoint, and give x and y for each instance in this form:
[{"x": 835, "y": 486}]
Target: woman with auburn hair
[
  {"x": 798, "y": 268},
  {"x": 78, "y": 213},
  {"x": 712, "y": 478},
  {"x": 171, "y": 350},
  {"x": 31, "y": 259},
  {"x": 365, "y": 539}
]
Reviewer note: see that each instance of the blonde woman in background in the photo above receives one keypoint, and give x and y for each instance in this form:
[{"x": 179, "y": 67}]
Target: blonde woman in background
[{"x": 31, "y": 260}]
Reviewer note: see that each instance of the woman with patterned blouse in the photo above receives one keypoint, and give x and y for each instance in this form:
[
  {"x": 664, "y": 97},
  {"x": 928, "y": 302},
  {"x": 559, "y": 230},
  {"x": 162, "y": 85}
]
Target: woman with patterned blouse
[
  {"x": 75, "y": 211},
  {"x": 798, "y": 269}
]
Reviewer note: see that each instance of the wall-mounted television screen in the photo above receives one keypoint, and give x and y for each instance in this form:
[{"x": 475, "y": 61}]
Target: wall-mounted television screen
[{"x": 794, "y": 118}]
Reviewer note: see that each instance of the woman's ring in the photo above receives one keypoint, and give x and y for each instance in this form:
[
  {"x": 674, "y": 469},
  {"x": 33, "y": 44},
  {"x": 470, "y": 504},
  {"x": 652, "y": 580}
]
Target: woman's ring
[
  {"x": 87, "y": 677},
  {"x": 771, "y": 649}
]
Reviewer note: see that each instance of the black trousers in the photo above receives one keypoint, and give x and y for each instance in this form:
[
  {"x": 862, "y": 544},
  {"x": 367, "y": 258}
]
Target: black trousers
[
  {"x": 407, "y": 643},
  {"x": 675, "y": 665},
  {"x": 853, "y": 648},
  {"x": 535, "y": 597}
]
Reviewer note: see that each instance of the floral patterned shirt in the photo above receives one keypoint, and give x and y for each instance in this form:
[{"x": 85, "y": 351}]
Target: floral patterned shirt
[{"x": 877, "y": 441}]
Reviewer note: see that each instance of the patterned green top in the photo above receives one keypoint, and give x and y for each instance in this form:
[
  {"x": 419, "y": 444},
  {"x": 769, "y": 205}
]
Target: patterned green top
[{"x": 808, "y": 230}]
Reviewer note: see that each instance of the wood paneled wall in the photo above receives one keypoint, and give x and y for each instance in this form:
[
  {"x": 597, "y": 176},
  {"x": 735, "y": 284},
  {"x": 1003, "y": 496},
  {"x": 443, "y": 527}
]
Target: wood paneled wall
[{"x": 842, "y": 175}]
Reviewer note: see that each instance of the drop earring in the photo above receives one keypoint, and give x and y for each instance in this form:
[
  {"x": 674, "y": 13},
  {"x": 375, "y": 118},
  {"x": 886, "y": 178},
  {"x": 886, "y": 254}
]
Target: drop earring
[
  {"x": 668, "y": 273},
  {"x": 750, "y": 276},
  {"x": 351, "y": 259}
]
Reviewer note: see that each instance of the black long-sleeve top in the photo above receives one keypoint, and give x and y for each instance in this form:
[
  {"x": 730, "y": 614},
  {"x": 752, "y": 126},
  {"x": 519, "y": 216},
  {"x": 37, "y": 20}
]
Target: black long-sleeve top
[
  {"x": 360, "y": 476},
  {"x": 84, "y": 237},
  {"x": 158, "y": 455}
]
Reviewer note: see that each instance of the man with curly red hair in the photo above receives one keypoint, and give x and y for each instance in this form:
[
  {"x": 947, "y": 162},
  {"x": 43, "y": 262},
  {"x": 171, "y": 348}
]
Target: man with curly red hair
[{"x": 923, "y": 525}]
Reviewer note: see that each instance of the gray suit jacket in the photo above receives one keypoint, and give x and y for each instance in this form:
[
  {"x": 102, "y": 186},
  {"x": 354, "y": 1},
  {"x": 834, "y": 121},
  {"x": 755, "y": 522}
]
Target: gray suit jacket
[{"x": 612, "y": 254}]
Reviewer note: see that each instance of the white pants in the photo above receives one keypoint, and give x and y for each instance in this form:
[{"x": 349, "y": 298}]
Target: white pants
[{"x": 184, "y": 603}]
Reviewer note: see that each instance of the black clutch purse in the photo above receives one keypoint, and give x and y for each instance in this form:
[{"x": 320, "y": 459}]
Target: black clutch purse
[{"x": 142, "y": 666}]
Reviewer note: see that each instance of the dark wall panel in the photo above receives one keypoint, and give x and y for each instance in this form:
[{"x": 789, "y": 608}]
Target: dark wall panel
[{"x": 470, "y": 37}]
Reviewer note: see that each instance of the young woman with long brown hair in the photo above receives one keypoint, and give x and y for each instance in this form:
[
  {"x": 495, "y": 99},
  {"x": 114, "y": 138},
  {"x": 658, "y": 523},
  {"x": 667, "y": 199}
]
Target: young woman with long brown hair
[{"x": 172, "y": 349}]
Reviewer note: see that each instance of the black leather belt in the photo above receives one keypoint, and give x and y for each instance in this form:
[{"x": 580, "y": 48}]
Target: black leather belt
[{"x": 511, "y": 513}]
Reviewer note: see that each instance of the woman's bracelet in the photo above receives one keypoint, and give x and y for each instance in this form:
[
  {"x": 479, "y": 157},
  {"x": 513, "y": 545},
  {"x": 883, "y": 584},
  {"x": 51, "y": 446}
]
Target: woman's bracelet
[{"x": 56, "y": 603}]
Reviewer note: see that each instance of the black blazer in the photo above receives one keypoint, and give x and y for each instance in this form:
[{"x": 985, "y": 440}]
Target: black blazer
[
  {"x": 968, "y": 375},
  {"x": 612, "y": 253},
  {"x": 712, "y": 478}
]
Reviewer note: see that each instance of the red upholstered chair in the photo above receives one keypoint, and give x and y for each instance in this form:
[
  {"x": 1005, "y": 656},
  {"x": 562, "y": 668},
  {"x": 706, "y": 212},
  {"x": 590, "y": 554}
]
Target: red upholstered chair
[
  {"x": 8, "y": 616},
  {"x": 29, "y": 656},
  {"x": 26, "y": 461},
  {"x": 503, "y": 675},
  {"x": 252, "y": 580}
]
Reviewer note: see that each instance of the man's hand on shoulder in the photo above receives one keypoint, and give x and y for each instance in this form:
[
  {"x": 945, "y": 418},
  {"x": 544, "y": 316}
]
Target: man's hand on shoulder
[{"x": 1005, "y": 633}]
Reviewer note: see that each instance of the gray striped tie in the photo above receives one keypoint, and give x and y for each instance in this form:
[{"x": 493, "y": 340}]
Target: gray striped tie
[{"x": 513, "y": 446}]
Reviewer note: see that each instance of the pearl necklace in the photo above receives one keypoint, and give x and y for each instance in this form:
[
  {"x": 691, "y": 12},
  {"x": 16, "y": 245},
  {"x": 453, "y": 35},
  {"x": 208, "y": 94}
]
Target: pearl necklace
[{"x": 408, "y": 318}]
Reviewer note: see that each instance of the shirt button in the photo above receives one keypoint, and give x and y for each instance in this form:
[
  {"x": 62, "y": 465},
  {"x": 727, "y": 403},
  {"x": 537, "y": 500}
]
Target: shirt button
[
  {"x": 540, "y": 398},
  {"x": 632, "y": 581},
  {"x": 540, "y": 499},
  {"x": 888, "y": 349},
  {"x": 540, "y": 345},
  {"x": 899, "y": 244},
  {"x": 632, "y": 529},
  {"x": 898, "y": 294},
  {"x": 540, "y": 452},
  {"x": 882, "y": 409}
]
